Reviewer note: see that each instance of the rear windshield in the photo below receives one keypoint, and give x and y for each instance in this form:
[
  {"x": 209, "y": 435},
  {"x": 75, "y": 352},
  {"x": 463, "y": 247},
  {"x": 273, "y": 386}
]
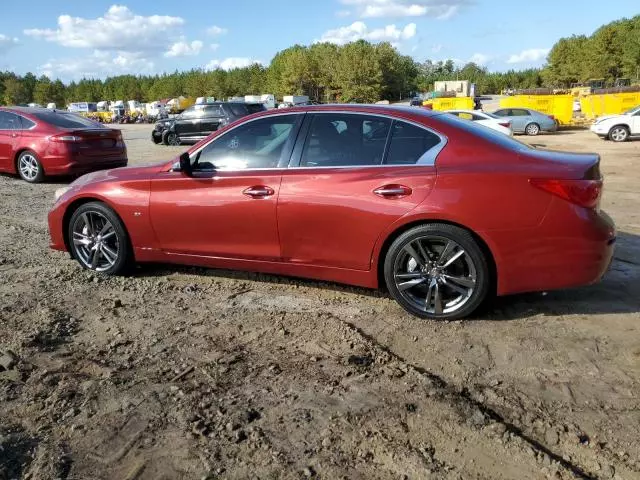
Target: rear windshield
[
  {"x": 488, "y": 134},
  {"x": 66, "y": 120},
  {"x": 243, "y": 109}
]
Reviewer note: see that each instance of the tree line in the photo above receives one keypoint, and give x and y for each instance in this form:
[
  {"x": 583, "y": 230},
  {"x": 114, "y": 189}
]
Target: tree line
[{"x": 358, "y": 71}]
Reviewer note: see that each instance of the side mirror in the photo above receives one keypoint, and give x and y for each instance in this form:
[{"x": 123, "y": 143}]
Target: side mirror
[{"x": 185, "y": 164}]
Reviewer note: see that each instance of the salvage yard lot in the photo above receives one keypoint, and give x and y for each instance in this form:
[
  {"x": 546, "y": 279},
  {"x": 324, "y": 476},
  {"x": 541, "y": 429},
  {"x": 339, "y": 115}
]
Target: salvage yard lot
[{"x": 190, "y": 373}]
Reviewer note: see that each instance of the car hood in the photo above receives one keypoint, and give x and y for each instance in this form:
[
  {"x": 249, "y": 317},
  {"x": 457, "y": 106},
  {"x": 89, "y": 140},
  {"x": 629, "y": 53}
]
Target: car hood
[
  {"x": 125, "y": 173},
  {"x": 606, "y": 117}
]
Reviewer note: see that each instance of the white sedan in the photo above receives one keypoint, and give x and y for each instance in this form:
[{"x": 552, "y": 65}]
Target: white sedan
[
  {"x": 618, "y": 128},
  {"x": 487, "y": 119}
]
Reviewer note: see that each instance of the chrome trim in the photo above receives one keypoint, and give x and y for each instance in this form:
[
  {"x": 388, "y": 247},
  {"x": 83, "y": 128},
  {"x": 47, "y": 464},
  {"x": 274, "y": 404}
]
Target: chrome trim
[{"x": 427, "y": 159}]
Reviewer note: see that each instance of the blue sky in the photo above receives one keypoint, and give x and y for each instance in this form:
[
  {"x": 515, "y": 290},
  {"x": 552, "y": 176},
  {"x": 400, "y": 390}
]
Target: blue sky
[{"x": 97, "y": 38}]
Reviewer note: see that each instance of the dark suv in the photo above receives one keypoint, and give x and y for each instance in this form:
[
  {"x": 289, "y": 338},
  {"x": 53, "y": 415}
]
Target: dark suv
[{"x": 200, "y": 120}]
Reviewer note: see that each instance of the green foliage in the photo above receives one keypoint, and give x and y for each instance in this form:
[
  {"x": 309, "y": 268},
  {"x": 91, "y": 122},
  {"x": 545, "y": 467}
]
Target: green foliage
[{"x": 358, "y": 71}]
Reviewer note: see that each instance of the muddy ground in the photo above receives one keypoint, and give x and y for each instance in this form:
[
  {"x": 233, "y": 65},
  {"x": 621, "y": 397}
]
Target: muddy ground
[{"x": 193, "y": 373}]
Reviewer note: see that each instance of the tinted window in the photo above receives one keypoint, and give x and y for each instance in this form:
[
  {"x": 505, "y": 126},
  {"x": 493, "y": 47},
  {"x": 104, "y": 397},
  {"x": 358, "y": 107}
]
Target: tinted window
[
  {"x": 213, "y": 111},
  {"x": 189, "y": 113},
  {"x": 518, "y": 112},
  {"x": 502, "y": 113},
  {"x": 409, "y": 143},
  {"x": 257, "y": 144},
  {"x": 341, "y": 140},
  {"x": 244, "y": 109},
  {"x": 26, "y": 123},
  {"x": 66, "y": 120},
  {"x": 9, "y": 121}
]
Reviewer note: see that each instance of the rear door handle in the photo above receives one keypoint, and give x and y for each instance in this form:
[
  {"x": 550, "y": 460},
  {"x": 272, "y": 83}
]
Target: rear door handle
[
  {"x": 259, "y": 191},
  {"x": 392, "y": 191}
]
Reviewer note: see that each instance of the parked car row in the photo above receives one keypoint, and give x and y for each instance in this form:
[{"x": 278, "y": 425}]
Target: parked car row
[{"x": 511, "y": 120}]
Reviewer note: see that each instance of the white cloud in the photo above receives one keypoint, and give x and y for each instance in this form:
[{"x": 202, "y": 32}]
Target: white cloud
[
  {"x": 214, "y": 46},
  {"x": 119, "y": 29},
  {"x": 231, "y": 63},
  {"x": 441, "y": 9},
  {"x": 480, "y": 58},
  {"x": 359, "y": 30},
  {"x": 99, "y": 64},
  {"x": 7, "y": 42},
  {"x": 217, "y": 31},
  {"x": 184, "y": 48},
  {"x": 531, "y": 55}
]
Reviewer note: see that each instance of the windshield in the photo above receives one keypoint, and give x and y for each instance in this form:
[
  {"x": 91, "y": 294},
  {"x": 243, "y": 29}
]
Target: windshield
[
  {"x": 66, "y": 120},
  {"x": 633, "y": 110}
]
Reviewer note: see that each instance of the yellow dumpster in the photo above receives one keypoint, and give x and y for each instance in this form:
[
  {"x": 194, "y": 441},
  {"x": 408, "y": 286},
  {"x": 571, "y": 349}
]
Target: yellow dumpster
[
  {"x": 452, "y": 103},
  {"x": 593, "y": 106}
]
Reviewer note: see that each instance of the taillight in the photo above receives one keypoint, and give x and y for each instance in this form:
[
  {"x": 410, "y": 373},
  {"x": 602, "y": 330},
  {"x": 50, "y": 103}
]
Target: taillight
[
  {"x": 66, "y": 138},
  {"x": 585, "y": 193},
  {"x": 505, "y": 124}
]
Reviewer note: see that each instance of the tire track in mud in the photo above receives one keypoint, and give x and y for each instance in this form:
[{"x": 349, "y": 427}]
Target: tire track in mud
[{"x": 464, "y": 399}]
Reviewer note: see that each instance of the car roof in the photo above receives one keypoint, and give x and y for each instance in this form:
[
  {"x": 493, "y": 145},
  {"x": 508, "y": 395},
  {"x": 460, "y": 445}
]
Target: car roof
[
  {"x": 32, "y": 110},
  {"x": 401, "y": 110}
]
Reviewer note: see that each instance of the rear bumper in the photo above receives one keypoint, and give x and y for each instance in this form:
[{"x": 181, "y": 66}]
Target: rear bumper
[
  {"x": 84, "y": 166},
  {"x": 572, "y": 247}
]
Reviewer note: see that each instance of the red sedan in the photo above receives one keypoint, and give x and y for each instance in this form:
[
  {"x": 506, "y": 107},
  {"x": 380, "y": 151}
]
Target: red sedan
[
  {"x": 37, "y": 142},
  {"x": 441, "y": 211}
]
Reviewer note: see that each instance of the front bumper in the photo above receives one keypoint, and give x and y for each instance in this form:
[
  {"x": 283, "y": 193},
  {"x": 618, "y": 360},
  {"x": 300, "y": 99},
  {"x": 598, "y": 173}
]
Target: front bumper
[{"x": 599, "y": 130}]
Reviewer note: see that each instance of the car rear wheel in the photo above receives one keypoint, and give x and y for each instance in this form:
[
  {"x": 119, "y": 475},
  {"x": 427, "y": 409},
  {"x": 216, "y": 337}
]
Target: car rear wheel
[
  {"x": 29, "y": 167},
  {"x": 98, "y": 239},
  {"x": 532, "y": 129},
  {"x": 619, "y": 133},
  {"x": 171, "y": 138},
  {"x": 437, "y": 271}
]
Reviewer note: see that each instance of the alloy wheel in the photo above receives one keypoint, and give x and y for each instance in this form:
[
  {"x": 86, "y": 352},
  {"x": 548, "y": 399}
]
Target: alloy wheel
[
  {"x": 173, "y": 139},
  {"x": 533, "y": 129},
  {"x": 29, "y": 167},
  {"x": 96, "y": 241},
  {"x": 619, "y": 134},
  {"x": 435, "y": 275}
]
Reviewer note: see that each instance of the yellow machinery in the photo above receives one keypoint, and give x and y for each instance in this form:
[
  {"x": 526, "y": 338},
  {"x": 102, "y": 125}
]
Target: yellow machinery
[
  {"x": 450, "y": 103},
  {"x": 560, "y": 106}
]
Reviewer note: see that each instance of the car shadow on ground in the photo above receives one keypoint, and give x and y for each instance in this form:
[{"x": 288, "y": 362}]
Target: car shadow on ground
[
  {"x": 57, "y": 180},
  {"x": 618, "y": 292}
]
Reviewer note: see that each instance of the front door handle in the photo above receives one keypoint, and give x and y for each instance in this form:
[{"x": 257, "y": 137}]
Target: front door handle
[
  {"x": 259, "y": 191},
  {"x": 392, "y": 191}
]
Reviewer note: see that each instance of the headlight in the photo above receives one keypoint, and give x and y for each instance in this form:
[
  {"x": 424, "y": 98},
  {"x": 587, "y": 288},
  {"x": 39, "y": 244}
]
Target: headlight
[{"x": 60, "y": 192}]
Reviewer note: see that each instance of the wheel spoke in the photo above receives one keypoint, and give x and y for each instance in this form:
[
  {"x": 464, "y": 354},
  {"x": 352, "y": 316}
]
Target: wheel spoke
[
  {"x": 410, "y": 283},
  {"x": 412, "y": 251},
  {"x": 456, "y": 288},
  {"x": 87, "y": 222},
  {"x": 95, "y": 257},
  {"x": 456, "y": 256},
  {"x": 80, "y": 239},
  {"x": 409, "y": 275},
  {"x": 446, "y": 251},
  {"x": 108, "y": 235},
  {"x": 463, "y": 281},
  {"x": 437, "y": 300},
  {"x": 109, "y": 254},
  {"x": 427, "y": 301},
  {"x": 107, "y": 226}
]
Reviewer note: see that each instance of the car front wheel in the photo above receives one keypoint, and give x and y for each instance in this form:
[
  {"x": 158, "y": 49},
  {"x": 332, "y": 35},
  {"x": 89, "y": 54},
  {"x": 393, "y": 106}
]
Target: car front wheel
[
  {"x": 171, "y": 138},
  {"x": 437, "y": 271},
  {"x": 619, "y": 134},
  {"x": 98, "y": 239}
]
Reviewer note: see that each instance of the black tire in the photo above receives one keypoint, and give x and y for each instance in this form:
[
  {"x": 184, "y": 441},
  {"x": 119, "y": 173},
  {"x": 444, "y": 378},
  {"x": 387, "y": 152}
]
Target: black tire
[
  {"x": 156, "y": 140},
  {"x": 532, "y": 129},
  {"x": 170, "y": 138},
  {"x": 619, "y": 133},
  {"x": 120, "y": 239},
  {"x": 472, "y": 261},
  {"x": 29, "y": 167}
]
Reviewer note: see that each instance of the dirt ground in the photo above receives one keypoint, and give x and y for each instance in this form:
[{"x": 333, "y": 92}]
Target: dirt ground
[{"x": 192, "y": 373}]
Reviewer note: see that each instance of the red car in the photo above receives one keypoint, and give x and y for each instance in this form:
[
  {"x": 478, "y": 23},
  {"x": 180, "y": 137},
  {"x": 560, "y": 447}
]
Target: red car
[
  {"x": 441, "y": 211},
  {"x": 37, "y": 142}
]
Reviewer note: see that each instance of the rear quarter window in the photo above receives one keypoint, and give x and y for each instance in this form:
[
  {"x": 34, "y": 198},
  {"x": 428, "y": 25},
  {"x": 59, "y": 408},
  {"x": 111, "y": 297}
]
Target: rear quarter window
[
  {"x": 487, "y": 134},
  {"x": 66, "y": 120}
]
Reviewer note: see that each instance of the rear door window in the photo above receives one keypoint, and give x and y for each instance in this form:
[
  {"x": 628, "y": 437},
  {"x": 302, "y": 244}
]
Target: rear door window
[
  {"x": 66, "y": 120},
  {"x": 409, "y": 144},
  {"x": 9, "y": 121},
  {"x": 345, "y": 140},
  {"x": 519, "y": 112}
]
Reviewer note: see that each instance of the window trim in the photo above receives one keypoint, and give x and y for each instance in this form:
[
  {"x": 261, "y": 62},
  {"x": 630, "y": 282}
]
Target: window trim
[
  {"x": 296, "y": 130},
  {"x": 428, "y": 158},
  {"x": 303, "y": 130}
]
